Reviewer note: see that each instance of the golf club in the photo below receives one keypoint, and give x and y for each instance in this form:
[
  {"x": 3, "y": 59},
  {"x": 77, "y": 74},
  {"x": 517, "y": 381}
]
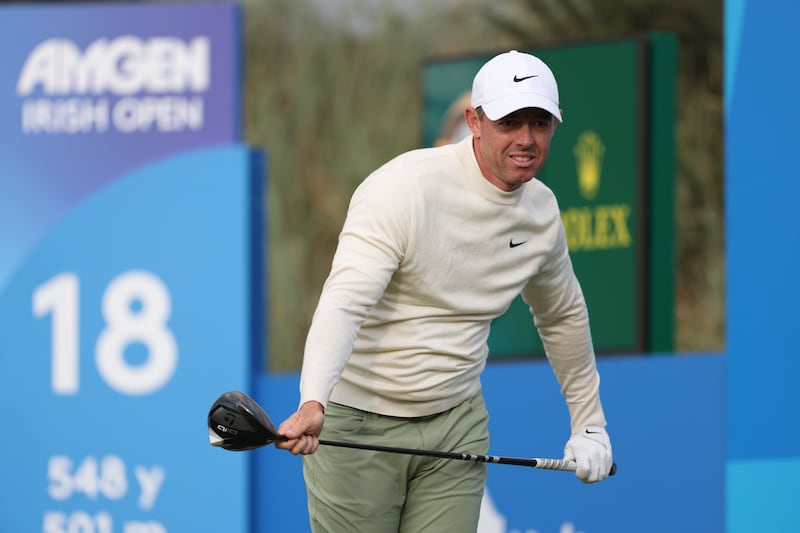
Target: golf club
[{"x": 237, "y": 423}]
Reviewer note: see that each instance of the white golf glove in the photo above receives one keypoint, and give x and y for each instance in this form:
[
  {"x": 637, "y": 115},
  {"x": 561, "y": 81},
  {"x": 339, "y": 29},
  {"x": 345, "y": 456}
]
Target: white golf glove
[{"x": 591, "y": 450}]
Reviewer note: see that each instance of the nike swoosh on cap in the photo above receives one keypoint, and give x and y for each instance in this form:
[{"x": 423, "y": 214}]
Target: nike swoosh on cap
[{"x": 523, "y": 78}]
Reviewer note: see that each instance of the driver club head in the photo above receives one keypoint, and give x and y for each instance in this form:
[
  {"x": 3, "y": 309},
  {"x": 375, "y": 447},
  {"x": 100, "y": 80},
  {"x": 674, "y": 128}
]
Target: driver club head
[{"x": 237, "y": 423}]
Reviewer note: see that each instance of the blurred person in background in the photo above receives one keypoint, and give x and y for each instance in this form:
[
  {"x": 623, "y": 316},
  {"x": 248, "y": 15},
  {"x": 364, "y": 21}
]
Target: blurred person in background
[{"x": 454, "y": 125}]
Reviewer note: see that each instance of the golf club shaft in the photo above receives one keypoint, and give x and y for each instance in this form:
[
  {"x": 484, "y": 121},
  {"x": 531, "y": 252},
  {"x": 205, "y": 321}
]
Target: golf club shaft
[
  {"x": 546, "y": 464},
  {"x": 236, "y": 422}
]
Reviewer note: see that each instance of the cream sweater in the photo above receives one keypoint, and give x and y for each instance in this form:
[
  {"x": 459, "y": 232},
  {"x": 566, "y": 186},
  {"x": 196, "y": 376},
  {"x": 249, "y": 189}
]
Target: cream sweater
[{"x": 424, "y": 264}]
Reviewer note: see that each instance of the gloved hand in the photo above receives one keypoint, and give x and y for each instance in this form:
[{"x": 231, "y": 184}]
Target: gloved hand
[{"x": 591, "y": 450}]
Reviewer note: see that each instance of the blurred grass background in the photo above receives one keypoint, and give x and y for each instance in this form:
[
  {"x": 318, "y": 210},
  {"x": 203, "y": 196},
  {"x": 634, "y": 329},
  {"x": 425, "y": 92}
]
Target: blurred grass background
[{"x": 332, "y": 91}]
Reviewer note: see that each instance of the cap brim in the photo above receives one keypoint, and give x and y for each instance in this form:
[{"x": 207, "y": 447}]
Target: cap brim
[{"x": 505, "y": 106}]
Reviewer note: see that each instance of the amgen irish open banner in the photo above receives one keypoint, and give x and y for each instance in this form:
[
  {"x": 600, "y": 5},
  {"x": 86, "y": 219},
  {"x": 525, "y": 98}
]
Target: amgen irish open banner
[{"x": 128, "y": 236}]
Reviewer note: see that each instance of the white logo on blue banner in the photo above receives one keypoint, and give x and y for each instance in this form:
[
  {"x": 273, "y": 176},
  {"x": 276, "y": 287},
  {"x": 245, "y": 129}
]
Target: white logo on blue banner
[{"x": 130, "y": 240}]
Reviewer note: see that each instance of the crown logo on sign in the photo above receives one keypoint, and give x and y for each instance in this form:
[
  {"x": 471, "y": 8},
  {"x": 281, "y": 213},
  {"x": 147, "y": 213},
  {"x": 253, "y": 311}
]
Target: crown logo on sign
[{"x": 589, "y": 151}]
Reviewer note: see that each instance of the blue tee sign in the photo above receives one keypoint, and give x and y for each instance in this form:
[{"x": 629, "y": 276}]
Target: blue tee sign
[{"x": 129, "y": 249}]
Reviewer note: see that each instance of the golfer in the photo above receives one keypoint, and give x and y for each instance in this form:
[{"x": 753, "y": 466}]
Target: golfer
[{"x": 436, "y": 244}]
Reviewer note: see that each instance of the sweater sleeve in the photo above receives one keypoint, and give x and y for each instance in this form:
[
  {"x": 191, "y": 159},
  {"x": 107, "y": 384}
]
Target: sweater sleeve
[
  {"x": 371, "y": 246},
  {"x": 562, "y": 319}
]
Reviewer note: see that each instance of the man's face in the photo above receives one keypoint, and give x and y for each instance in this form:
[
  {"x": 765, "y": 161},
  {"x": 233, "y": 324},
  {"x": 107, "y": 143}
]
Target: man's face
[{"x": 512, "y": 149}]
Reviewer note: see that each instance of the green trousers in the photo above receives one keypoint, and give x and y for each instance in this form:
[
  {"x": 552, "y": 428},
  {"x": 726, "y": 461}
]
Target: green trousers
[{"x": 360, "y": 491}]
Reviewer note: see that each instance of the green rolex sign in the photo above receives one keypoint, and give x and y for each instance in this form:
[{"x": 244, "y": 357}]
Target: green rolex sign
[{"x": 613, "y": 186}]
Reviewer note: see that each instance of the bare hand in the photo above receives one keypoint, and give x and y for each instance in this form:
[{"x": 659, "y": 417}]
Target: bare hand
[{"x": 302, "y": 429}]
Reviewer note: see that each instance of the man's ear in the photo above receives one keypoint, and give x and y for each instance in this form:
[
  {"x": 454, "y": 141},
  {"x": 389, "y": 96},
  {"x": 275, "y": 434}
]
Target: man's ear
[{"x": 473, "y": 121}]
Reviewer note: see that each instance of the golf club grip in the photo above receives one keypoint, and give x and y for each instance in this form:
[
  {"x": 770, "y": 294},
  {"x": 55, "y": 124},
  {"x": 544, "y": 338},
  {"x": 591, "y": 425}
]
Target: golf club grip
[{"x": 544, "y": 464}]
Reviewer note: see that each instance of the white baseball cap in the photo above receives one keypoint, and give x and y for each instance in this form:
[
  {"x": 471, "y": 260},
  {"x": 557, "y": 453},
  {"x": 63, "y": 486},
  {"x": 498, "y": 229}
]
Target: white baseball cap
[{"x": 515, "y": 80}]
